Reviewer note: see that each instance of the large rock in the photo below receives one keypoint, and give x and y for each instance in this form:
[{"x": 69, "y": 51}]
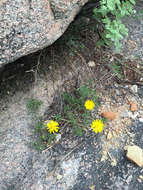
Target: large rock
[
  {"x": 135, "y": 154},
  {"x": 29, "y": 25}
]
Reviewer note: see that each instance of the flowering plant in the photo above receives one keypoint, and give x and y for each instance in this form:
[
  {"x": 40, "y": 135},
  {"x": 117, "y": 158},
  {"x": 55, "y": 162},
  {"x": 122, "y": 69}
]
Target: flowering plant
[
  {"x": 52, "y": 126},
  {"x": 76, "y": 113},
  {"x": 89, "y": 105},
  {"x": 97, "y": 126}
]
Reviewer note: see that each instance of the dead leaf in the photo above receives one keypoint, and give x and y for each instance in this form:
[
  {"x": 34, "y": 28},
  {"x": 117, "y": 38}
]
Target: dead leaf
[{"x": 109, "y": 115}]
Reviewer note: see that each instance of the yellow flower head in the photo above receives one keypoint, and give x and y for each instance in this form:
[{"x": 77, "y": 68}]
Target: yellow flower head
[
  {"x": 52, "y": 126},
  {"x": 97, "y": 126},
  {"x": 89, "y": 104}
]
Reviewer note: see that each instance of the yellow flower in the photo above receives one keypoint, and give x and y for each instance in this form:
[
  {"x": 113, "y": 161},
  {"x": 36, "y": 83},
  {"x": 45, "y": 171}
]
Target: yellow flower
[
  {"x": 97, "y": 126},
  {"x": 52, "y": 126},
  {"x": 89, "y": 104}
]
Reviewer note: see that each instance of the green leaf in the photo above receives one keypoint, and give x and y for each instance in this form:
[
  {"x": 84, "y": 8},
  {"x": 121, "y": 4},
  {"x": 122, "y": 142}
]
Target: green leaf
[
  {"x": 78, "y": 131},
  {"x": 133, "y": 2},
  {"x": 33, "y": 105},
  {"x": 84, "y": 91},
  {"x": 110, "y": 14}
]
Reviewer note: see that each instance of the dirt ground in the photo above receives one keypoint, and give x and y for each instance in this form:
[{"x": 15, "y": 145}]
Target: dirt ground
[{"x": 90, "y": 162}]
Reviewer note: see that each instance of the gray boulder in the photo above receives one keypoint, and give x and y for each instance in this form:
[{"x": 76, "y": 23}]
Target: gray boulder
[{"x": 30, "y": 25}]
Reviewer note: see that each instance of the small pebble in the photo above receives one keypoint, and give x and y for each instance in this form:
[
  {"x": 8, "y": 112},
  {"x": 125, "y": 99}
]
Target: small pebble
[
  {"x": 114, "y": 134},
  {"x": 134, "y": 116},
  {"x": 109, "y": 135},
  {"x": 118, "y": 92},
  {"x": 134, "y": 88},
  {"x": 59, "y": 177},
  {"x": 139, "y": 180},
  {"x": 58, "y": 137},
  {"x": 141, "y": 176},
  {"x": 91, "y": 64},
  {"x": 134, "y": 107},
  {"x": 141, "y": 120},
  {"x": 125, "y": 114},
  {"x": 117, "y": 131},
  {"x": 129, "y": 179},
  {"x": 113, "y": 162}
]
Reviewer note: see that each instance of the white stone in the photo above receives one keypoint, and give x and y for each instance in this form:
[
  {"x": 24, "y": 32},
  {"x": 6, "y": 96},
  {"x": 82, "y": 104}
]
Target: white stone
[
  {"x": 134, "y": 88},
  {"x": 58, "y": 137},
  {"x": 59, "y": 176},
  {"x": 91, "y": 64}
]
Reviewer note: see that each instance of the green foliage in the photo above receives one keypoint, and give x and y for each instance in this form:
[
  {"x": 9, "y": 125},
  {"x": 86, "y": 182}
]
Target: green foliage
[
  {"x": 74, "y": 44},
  {"x": 139, "y": 15},
  {"x": 104, "y": 120},
  {"x": 57, "y": 117},
  {"x": 84, "y": 91},
  {"x": 39, "y": 145},
  {"x": 45, "y": 136},
  {"x": 39, "y": 126},
  {"x": 49, "y": 137},
  {"x": 75, "y": 113},
  {"x": 78, "y": 131},
  {"x": 110, "y": 14},
  {"x": 116, "y": 69},
  {"x": 33, "y": 105}
]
